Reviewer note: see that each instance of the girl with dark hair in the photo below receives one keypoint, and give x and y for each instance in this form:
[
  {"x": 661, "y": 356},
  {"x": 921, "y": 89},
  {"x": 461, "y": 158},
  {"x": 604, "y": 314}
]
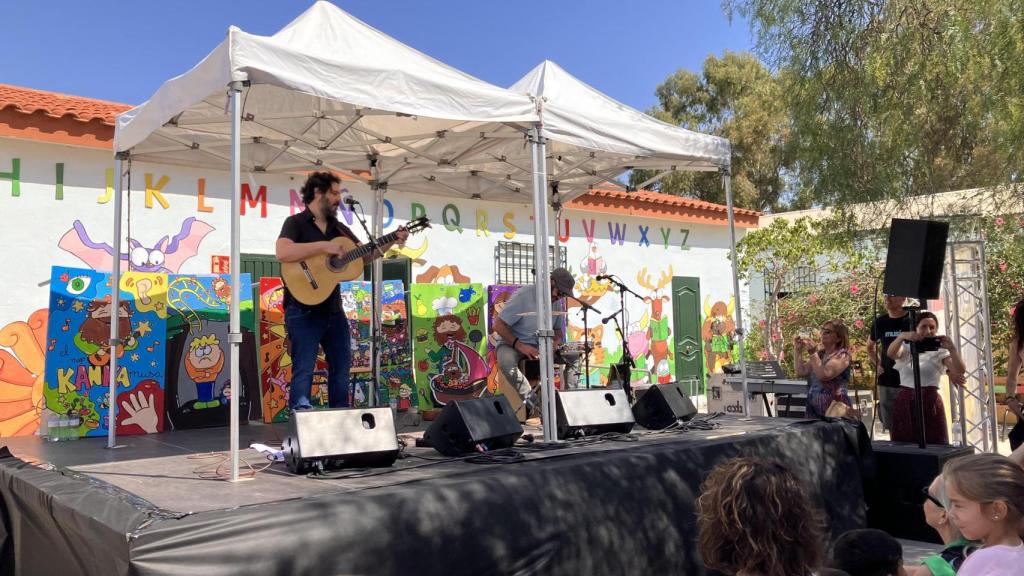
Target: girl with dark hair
[
  {"x": 1013, "y": 365},
  {"x": 827, "y": 368},
  {"x": 934, "y": 363},
  {"x": 986, "y": 495},
  {"x": 755, "y": 520}
]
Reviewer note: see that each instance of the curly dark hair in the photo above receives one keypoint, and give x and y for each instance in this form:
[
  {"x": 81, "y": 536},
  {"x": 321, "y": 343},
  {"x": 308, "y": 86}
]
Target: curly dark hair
[
  {"x": 754, "y": 516},
  {"x": 317, "y": 181}
]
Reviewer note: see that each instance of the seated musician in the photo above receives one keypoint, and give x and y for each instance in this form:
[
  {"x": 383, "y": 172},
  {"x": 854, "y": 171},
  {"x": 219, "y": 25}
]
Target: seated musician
[{"x": 516, "y": 327}]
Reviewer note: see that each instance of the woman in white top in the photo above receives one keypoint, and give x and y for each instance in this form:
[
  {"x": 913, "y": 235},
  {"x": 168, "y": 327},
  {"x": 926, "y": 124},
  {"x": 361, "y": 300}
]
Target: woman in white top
[{"x": 934, "y": 363}]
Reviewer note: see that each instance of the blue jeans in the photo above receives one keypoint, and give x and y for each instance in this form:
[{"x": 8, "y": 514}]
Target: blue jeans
[{"x": 308, "y": 329}]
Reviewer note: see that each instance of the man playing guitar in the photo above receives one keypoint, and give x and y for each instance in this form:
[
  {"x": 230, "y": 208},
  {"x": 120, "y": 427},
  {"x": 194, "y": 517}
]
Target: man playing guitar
[{"x": 305, "y": 235}]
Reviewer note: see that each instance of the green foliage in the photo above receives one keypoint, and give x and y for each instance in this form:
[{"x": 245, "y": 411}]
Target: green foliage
[
  {"x": 847, "y": 278},
  {"x": 738, "y": 98},
  {"x": 895, "y": 98},
  {"x": 1004, "y": 257}
]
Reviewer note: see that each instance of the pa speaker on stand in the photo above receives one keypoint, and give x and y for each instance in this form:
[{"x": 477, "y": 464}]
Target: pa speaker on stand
[{"x": 917, "y": 252}]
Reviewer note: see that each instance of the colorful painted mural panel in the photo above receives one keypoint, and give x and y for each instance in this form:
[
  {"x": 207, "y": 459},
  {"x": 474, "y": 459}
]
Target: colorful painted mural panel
[
  {"x": 275, "y": 363},
  {"x": 198, "y": 360},
  {"x": 78, "y": 356},
  {"x": 450, "y": 342}
]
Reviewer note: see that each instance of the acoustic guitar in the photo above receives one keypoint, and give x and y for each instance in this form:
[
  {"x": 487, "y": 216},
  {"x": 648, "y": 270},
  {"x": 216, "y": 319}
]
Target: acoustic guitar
[{"x": 312, "y": 280}]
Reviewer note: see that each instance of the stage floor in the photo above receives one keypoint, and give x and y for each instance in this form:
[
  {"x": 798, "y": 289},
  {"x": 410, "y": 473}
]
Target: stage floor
[
  {"x": 171, "y": 471},
  {"x": 613, "y": 506}
]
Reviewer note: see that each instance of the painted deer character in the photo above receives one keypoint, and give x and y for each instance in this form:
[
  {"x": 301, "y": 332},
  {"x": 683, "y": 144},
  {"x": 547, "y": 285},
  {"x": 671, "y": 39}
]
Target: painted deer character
[
  {"x": 658, "y": 331},
  {"x": 717, "y": 333}
]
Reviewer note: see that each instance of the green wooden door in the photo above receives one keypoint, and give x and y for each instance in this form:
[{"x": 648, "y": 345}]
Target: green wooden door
[{"x": 686, "y": 332}]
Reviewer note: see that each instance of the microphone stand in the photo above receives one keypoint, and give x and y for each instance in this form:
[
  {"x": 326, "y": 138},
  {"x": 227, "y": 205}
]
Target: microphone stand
[
  {"x": 586, "y": 336},
  {"x": 375, "y": 332},
  {"x": 627, "y": 362},
  {"x": 917, "y": 415}
]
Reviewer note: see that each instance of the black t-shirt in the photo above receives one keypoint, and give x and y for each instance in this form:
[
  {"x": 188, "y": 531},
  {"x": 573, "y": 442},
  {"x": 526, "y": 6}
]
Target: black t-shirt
[
  {"x": 884, "y": 330},
  {"x": 301, "y": 228}
]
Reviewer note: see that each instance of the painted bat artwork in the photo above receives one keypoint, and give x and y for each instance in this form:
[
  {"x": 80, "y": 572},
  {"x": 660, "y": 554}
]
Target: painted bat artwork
[{"x": 167, "y": 255}]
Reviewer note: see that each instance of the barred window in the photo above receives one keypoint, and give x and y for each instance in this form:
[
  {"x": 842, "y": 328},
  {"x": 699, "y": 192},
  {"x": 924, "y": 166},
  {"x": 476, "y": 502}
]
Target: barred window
[
  {"x": 799, "y": 279},
  {"x": 513, "y": 262}
]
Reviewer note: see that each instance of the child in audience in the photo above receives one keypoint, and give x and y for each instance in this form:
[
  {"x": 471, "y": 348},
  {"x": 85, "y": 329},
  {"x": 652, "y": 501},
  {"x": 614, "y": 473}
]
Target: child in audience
[
  {"x": 868, "y": 552},
  {"x": 986, "y": 494},
  {"x": 755, "y": 520},
  {"x": 936, "y": 514}
]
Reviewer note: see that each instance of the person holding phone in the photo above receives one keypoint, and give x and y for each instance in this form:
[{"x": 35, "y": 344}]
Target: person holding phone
[{"x": 937, "y": 356}]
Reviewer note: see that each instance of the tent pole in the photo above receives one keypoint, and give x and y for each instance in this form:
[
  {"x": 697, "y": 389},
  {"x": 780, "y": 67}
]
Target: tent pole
[
  {"x": 377, "y": 273},
  {"x": 115, "y": 302},
  {"x": 727, "y": 183},
  {"x": 235, "y": 329},
  {"x": 542, "y": 264}
]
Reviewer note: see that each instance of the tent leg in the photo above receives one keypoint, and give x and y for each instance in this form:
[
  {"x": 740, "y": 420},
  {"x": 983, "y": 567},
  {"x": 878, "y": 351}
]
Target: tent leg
[
  {"x": 115, "y": 302},
  {"x": 727, "y": 183},
  {"x": 235, "y": 329},
  {"x": 377, "y": 333},
  {"x": 545, "y": 334}
]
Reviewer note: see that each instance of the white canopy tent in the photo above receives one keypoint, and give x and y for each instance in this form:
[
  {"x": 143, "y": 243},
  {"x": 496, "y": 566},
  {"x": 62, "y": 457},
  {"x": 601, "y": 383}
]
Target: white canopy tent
[
  {"x": 592, "y": 138},
  {"x": 329, "y": 92}
]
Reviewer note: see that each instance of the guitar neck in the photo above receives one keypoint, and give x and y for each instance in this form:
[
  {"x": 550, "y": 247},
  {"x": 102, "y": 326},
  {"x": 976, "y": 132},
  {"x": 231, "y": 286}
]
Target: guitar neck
[{"x": 368, "y": 248}]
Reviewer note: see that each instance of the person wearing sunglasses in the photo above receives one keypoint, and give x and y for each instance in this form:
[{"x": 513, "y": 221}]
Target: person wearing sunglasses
[
  {"x": 827, "y": 367},
  {"x": 956, "y": 547}
]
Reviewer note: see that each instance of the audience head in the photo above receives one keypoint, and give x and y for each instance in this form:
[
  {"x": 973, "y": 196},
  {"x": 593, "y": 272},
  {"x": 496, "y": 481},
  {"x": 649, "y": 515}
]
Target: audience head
[
  {"x": 835, "y": 332},
  {"x": 754, "y": 517},
  {"x": 927, "y": 324},
  {"x": 986, "y": 494},
  {"x": 936, "y": 509},
  {"x": 894, "y": 304},
  {"x": 868, "y": 552}
]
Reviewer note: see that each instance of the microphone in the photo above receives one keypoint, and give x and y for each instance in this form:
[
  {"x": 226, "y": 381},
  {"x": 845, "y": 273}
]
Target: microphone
[
  {"x": 351, "y": 201},
  {"x": 610, "y": 317},
  {"x": 600, "y": 277}
]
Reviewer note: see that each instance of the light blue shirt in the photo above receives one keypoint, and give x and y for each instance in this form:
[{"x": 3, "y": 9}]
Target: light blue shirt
[{"x": 520, "y": 314}]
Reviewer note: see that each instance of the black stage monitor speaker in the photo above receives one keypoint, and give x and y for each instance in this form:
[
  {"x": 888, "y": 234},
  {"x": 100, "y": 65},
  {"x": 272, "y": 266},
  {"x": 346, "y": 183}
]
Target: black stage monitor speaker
[
  {"x": 340, "y": 437},
  {"x": 917, "y": 252},
  {"x": 463, "y": 424},
  {"x": 593, "y": 411},
  {"x": 895, "y": 497},
  {"x": 663, "y": 405}
]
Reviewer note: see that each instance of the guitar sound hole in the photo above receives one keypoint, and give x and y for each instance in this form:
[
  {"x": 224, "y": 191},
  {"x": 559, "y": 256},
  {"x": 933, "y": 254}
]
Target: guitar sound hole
[{"x": 335, "y": 263}]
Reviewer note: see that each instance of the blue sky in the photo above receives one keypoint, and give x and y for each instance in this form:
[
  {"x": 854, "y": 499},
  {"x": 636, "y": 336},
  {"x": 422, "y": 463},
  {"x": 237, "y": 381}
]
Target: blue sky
[{"x": 123, "y": 51}]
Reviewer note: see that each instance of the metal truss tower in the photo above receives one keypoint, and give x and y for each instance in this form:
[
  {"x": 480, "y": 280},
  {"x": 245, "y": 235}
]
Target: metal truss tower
[{"x": 973, "y": 405}]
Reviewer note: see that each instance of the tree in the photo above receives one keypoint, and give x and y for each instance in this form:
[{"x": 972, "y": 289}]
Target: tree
[
  {"x": 738, "y": 98},
  {"x": 841, "y": 271},
  {"x": 896, "y": 98}
]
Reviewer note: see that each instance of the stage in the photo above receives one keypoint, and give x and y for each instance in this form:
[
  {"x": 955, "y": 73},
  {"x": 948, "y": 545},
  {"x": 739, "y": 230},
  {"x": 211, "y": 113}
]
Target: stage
[{"x": 622, "y": 505}]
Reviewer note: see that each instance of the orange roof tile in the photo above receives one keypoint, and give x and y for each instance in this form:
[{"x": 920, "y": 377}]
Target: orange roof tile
[
  {"x": 56, "y": 105},
  {"x": 59, "y": 118},
  {"x": 645, "y": 203}
]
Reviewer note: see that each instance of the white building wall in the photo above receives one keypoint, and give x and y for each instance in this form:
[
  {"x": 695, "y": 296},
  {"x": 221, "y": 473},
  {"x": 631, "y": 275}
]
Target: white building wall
[{"x": 34, "y": 221}]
